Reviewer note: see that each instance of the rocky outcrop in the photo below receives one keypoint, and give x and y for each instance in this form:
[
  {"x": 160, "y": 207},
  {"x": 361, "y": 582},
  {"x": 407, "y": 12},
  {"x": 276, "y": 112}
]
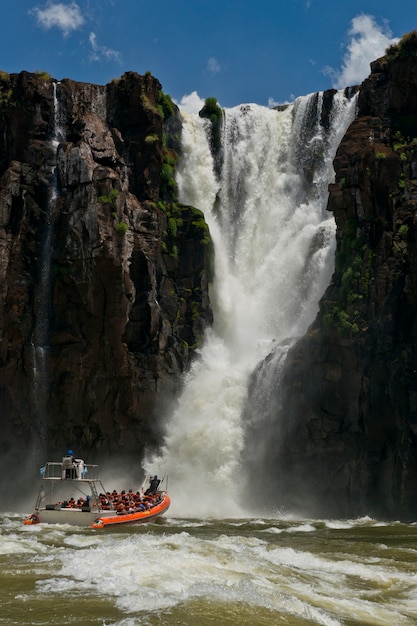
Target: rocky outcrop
[
  {"x": 341, "y": 429},
  {"x": 104, "y": 279}
]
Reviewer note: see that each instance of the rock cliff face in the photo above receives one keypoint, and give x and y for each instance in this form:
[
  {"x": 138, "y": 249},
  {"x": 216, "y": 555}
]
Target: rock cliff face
[
  {"x": 341, "y": 433},
  {"x": 104, "y": 279}
]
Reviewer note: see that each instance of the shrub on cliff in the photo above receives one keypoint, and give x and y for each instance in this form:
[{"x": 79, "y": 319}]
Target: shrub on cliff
[
  {"x": 213, "y": 112},
  {"x": 121, "y": 228},
  {"x": 168, "y": 190},
  {"x": 405, "y": 48},
  {"x": 5, "y": 87},
  {"x": 165, "y": 106},
  {"x": 42, "y": 75},
  {"x": 110, "y": 199}
]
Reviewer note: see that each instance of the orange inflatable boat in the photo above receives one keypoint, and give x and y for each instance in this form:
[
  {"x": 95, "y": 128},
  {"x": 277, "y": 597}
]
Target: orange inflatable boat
[
  {"x": 138, "y": 517},
  {"x": 94, "y": 507}
]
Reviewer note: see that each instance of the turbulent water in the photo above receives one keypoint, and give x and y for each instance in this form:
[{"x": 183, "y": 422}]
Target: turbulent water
[
  {"x": 274, "y": 249},
  {"x": 190, "y": 572}
]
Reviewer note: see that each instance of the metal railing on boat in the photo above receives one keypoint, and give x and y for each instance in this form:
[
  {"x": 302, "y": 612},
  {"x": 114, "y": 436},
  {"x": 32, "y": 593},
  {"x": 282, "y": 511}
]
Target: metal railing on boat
[{"x": 79, "y": 471}]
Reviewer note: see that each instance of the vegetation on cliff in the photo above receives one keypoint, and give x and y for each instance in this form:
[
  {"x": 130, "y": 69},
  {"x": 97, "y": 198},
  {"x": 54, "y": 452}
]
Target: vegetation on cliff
[
  {"x": 406, "y": 48},
  {"x": 181, "y": 221},
  {"x": 182, "y": 224},
  {"x": 213, "y": 112}
]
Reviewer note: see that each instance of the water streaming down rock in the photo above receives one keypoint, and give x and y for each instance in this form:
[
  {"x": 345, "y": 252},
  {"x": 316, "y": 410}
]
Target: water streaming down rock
[
  {"x": 40, "y": 336},
  {"x": 274, "y": 245}
]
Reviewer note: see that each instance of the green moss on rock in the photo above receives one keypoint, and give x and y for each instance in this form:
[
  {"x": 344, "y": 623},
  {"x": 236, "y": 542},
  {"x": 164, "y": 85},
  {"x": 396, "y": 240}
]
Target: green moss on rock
[{"x": 213, "y": 112}]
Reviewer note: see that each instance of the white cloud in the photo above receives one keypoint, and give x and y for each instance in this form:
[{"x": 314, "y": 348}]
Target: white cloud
[
  {"x": 191, "y": 103},
  {"x": 99, "y": 53},
  {"x": 66, "y": 17},
  {"x": 368, "y": 41},
  {"x": 213, "y": 66}
]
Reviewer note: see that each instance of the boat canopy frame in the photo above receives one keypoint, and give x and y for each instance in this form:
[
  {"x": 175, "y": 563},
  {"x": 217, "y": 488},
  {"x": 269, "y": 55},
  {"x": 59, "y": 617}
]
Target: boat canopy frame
[{"x": 54, "y": 473}]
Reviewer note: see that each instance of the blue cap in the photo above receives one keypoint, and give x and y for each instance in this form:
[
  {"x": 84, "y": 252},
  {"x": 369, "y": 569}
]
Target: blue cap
[{"x": 70, "y": 452}]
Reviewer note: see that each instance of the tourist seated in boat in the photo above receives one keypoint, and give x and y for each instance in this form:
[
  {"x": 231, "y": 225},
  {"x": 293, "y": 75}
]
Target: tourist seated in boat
[
  {"x": 105, "y": 501},
  {"x": 69, "y": 504},
  {"x": 85, "y": 506},
  {"x": 120, "y": 509},
  {"x": 137, "y": 497}
]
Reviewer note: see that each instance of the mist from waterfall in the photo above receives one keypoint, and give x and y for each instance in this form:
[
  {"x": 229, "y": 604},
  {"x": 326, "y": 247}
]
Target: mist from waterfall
[{"x": 274, "y": 249}]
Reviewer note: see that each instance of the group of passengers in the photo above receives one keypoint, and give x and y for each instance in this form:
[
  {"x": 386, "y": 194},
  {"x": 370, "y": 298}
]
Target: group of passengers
[
  {"x": 123, "y": 502},
  {"x": 128, "y": 502},
  {"x": 71, "y": 503}
]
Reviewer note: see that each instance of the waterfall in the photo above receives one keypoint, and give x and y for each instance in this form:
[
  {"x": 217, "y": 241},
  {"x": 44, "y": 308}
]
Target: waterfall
[
  {"x": 274, "y": 248},
  {"x": 40, "y": 334}
]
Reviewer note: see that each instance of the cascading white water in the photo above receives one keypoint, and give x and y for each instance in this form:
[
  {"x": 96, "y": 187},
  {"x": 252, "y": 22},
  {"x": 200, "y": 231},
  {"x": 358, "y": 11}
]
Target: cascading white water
[
  {"x": 40, "y": 331},
  {"x": 39, "y": 343},
  {"x": 274, "y": 246}
]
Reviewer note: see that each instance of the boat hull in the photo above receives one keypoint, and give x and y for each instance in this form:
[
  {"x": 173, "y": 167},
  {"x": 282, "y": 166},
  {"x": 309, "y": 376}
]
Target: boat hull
[
  {"x": 96, "y": 519},
  {"x": 55, "y": 503},
  {"x": 74, "y": 517},
  {"x": 107, "y": 521}
]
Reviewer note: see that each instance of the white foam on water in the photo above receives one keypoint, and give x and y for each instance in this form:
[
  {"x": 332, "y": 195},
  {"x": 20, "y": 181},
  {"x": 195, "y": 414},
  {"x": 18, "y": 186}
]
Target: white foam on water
[{"x": 297, "y": 568}]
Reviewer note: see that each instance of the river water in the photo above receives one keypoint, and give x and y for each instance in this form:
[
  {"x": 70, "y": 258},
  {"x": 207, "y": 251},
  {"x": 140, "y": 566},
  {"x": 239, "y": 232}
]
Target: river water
[{"x": 204, "y": 572}]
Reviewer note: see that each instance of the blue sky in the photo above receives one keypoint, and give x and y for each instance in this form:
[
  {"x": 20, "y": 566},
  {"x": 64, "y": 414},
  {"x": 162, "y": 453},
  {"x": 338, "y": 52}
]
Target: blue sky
[{"x": 263, "y": 51}]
